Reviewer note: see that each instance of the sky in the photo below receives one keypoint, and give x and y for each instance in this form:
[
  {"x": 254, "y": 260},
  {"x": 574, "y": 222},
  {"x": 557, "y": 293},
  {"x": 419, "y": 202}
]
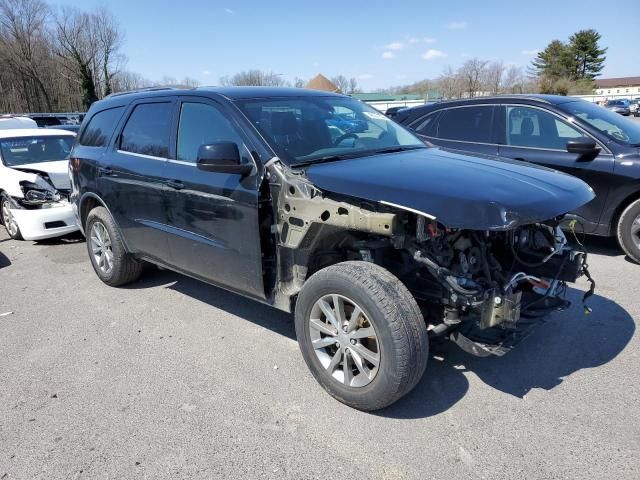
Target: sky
[{"x": 381, "y": 43}]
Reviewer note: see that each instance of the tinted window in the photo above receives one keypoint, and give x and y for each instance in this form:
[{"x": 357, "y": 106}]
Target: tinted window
[
  {"x": 202, "y": 124},
  {"x": 609, "y": 123},
  {"x": 469, "y": 124},
  {"x": 100, "y": 128},
  {"x": 531, "y": 127},
  {"x": 426, "y": 125},
  {"x": 148, "y": 130}
]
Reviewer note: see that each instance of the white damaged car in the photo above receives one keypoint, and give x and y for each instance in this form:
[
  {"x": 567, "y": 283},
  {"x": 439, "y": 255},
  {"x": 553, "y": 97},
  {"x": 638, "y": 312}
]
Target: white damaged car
[{"x": 34, "y": 183}]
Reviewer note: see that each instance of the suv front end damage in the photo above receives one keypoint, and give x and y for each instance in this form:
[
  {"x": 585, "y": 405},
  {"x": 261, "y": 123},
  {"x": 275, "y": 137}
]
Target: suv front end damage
[{"x": 483, "y": 289}]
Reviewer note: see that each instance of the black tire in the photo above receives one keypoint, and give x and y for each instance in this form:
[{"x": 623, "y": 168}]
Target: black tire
[
  {"x": 398, "y": 322},
  {"x": 4, "y": 199},
  {"x": 125, "y": 268},
  {"x": 628, "y": 239}
]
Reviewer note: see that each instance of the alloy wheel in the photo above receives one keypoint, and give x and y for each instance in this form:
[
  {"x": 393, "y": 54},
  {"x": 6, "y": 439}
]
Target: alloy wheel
[
  {"x": 344, "y": 340},
  {"x": 635, "y": 232},
  {"x": 9, "y": 221},
  {"x": 101, "y": 248}
]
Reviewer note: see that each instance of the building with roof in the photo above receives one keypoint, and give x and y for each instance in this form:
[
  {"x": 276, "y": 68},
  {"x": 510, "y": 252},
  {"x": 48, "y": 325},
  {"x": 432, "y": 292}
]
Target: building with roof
[
  {"x": 610, "y": 88},
  {"x": 320, "y": 82}
]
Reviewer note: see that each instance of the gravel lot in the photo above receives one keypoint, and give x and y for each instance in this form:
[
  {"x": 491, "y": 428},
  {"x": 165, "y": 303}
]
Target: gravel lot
[{"x": 171, "y": 378}]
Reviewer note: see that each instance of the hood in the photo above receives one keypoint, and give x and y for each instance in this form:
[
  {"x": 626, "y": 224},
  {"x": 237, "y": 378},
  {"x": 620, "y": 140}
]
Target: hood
[
  {"x": 460, "y": 191},
  {"x": 57, "y": 171}
]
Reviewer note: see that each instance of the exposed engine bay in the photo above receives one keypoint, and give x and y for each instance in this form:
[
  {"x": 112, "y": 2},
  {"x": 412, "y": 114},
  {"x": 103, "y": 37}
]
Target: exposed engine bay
[{"x": 482, "y": 289}]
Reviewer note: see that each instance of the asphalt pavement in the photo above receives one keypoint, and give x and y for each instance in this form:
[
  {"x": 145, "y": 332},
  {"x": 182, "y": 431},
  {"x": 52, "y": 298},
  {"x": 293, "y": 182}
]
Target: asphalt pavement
[{"x": 171, "y": 378}]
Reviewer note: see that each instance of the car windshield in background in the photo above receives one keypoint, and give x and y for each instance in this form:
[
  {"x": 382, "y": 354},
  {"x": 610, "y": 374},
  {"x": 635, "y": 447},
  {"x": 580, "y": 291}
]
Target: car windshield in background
[
  {"x": 606, "y": 121},
  {"x": 25, "y": 150},
  {"x": 312, "y": 129}
]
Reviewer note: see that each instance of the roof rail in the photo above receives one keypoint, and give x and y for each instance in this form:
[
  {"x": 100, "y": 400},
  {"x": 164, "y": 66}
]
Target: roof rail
[{"x": 139, "y": 90}]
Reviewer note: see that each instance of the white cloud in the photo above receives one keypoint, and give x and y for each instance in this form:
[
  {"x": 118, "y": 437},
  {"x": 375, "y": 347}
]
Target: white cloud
[
  {"x": 365, "y": 76},
  {"x": 414, "y": 40},
  {"x": 206, "y": 73},
  {"x": 395, "y": 46},
  {"x": 433, "y": 54},
  {"x": 229, "y": 11},
  {"x": 457, "y": 25},
  {"x": 533, "y": 51},
  {"x": 388, "y": 55}
]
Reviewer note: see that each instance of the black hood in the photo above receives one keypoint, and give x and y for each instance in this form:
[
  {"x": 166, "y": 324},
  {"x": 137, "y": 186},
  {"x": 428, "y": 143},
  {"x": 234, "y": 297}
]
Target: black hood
[{"x": 460, "y": 191}]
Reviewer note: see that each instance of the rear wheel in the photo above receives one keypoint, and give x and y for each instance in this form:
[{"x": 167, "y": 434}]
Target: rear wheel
[
  {"x": 108, "y": 256},
  {"x": 361, "y": 334},
  {"x": 8, "y": 220},
  {"x": 629, "y": 231}
]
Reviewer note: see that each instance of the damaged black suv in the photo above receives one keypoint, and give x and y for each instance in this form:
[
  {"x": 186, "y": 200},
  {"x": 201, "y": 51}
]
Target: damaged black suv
[{"x": 317, "y": 204}]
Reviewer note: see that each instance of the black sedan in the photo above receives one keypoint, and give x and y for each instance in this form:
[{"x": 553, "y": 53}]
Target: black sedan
[{"x": 565, "y": 133}]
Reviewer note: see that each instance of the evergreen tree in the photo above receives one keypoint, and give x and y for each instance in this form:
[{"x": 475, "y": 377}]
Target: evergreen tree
[
  {"x": 586, "y": 55},
  {"x": 554, "y": 62}
]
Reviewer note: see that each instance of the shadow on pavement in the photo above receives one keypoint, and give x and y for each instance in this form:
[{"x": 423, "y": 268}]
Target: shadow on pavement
[
  {"x": 566, "y": 343},
  {"x": 4, "y": 261},
  {"x": 75, "y": 237}
]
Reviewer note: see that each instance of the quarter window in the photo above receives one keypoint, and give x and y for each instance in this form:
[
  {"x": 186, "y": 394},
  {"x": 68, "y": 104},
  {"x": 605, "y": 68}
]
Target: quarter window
[
  {"x": 100, "y": 128},
  {"x": 148, "y": 129},
  {"x": 202, "y": 124},
  {"x": 426, "y": 125},
  {"x": 531, "y": 127},
  {"x": 467, "y": 124}
]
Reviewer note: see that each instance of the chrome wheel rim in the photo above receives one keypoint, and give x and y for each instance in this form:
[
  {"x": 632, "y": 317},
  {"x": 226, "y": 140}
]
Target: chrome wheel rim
[
  {"x": 9, "y": 221},
  {"x": 344, "y": 340},
  {"x": 100, "y": 243},
  {"x": 635, "y": 232}
]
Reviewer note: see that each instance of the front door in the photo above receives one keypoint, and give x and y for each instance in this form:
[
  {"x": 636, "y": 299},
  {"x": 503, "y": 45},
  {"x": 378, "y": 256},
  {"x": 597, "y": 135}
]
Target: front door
[
  {"x": 213, "y": 216},
  {"x": 540, "y": 136}
]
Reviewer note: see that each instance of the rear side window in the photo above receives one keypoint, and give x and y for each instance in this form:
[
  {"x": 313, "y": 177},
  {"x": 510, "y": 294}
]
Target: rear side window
[
  {"x": 147, "y": 130},
  {"x": 426, "y": 125},
  {"x": 100, "y": 128},
  {"x": 467, "y": 124}
]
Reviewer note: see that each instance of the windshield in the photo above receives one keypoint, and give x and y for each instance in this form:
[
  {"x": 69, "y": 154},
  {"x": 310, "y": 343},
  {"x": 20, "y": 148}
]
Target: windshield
[
  {"x": 312, "y": 129},
  {"x": 25, "y": 150},
  {"x": 613, "y": 125}
]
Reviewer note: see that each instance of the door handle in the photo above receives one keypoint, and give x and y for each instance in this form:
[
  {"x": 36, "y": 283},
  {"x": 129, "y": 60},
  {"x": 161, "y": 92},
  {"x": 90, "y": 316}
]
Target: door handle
[
  {"x": 177, "y": 184},
  {"x": 105, "y": 171}
]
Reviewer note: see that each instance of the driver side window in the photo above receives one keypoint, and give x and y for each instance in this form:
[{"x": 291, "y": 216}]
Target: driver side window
[
  {"x": 535, "y": 128},
  {"x": 200, "y": 124}
]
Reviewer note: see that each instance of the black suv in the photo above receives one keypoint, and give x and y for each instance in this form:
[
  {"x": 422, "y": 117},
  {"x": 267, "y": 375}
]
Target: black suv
[
  {"x": 375, "y": 241},
  {"x": 565, "y": 133}
]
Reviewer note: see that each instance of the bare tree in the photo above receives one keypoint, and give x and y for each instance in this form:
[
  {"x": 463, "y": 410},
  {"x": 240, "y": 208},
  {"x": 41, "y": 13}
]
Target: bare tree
[
  {"x": 493, "y": 77},
  {"x": 514, "y": 80},
  {"x": 341, "y": 82},
  {"x": 472, "y": 73},
  {"x": 450, "y": 83},
  {"x": 299, "y": 82},
  {"x": 109, "y": 40},
  {"x": 254, "y": 78},
  {"x": 353, "y": 85},
  {"x": 22, "y": 42}
]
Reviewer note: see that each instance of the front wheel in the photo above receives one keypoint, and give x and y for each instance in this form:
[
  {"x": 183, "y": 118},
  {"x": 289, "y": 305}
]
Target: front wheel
[
  {"x": 8, "y": 220},
  {"x": 361, "y": 334},
  {"x": 628, "y": 231}
]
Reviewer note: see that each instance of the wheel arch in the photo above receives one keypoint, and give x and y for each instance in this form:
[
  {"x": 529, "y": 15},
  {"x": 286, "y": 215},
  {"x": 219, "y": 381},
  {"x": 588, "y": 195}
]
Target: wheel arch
[
  {"x": 88, "y": 202},
  {"x": 622, "y": 206}
]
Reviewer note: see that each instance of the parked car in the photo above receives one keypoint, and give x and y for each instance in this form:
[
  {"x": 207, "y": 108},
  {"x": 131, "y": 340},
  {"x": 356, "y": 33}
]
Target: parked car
[
  {"x": 393, "y": 111},
  {"x": 568, "y": 134},
  {"x": 634, "y": 107},
  {"x": 13, "y": 122},
  {"x": 375, "y": 241},
  {"x": 69, "y": 127},
  {"x": 619, "y": 106},
  {"x": 45, "y": 119},
  {"x": 34, "y": 183}
]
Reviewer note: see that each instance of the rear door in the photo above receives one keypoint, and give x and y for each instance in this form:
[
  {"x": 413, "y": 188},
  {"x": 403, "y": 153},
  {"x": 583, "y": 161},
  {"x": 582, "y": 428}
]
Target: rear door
[
  {"x": 213, "y": 216},
  {"x": 469, "y": 128},
  {"x": 131, "y": 177},
  {"x": 536, "y": 135}
]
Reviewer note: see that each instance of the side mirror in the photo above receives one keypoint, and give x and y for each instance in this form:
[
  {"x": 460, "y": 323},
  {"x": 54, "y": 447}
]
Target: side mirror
[
  {"x": 223, "y": 157},
  {"x": 583, "y": 147}
]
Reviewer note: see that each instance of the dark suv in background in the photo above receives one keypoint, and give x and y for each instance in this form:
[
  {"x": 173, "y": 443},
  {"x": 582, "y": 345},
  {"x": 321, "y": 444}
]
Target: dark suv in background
[
  {"x": 315, "y": 203},
  {"x": 564, "y": 133}
]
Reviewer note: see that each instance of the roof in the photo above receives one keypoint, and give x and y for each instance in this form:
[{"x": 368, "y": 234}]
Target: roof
[
  {"x": 386, "y": 97},
  {"x": 12, "y": 121},
  {"x": 320, "y": 82},
  {"x": 33, "y": 132},
  {"x": 617, "y": 82},
  {"x": 231, "y": 93}
]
